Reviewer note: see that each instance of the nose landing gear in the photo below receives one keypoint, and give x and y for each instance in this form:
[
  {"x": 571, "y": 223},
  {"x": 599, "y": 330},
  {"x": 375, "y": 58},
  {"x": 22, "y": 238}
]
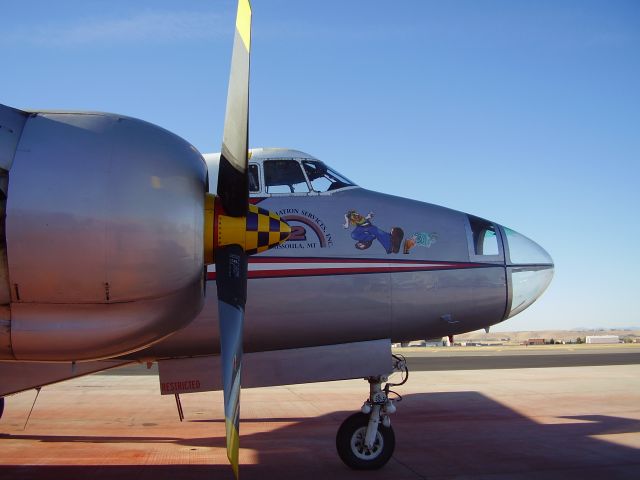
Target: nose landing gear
[{"x": 365, "y": 440}]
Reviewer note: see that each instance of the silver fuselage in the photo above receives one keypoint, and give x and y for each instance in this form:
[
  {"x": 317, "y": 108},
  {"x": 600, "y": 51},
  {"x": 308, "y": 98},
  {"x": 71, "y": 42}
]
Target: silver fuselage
[
  {"x": 319, "y": 289},
  {"x": 101, "y": 250}
]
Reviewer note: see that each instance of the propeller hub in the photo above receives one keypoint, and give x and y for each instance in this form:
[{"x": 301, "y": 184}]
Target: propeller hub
[{"x": 257, "y": 232}]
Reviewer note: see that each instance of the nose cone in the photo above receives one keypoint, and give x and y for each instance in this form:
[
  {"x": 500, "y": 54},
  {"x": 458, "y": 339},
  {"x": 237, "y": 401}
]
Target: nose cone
[
  {"x": 524, "y": 251},
  {"x": 530, "y": 270}
]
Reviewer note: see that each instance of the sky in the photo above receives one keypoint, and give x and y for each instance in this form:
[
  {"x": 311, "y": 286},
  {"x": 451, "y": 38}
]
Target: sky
[{"x": 525, "y": 113}]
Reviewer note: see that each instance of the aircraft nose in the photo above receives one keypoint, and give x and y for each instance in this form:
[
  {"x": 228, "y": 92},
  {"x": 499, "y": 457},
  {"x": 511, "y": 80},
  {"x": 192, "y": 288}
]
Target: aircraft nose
[{"x": 529, "y": 270}]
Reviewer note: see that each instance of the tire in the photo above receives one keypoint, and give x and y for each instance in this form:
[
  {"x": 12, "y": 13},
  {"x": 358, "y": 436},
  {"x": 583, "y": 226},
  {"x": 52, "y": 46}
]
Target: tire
[
  {"x": 350, "y": 444},
  {"x": 1, "y": 406}
]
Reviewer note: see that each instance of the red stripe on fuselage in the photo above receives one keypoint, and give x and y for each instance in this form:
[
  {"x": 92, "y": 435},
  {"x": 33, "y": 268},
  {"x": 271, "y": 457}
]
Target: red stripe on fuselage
[
  {"x": 347, "y": 260},
  {"x": 383, "y": 266}
]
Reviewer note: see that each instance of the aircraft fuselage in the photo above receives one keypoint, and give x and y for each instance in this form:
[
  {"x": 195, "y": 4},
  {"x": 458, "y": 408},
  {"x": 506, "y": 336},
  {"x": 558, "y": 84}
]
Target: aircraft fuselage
[{"x": 340, "y": 277}]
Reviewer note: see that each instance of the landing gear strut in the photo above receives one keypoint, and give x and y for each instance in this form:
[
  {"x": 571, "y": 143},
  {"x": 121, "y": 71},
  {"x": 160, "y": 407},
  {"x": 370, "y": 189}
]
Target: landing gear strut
[{"x": 365, "y": 440}]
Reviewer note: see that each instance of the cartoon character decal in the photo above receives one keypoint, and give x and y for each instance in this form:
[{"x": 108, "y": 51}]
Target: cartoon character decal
[
  {"x": 365, "y": 232},
  {"x": 421, "y": 239}
]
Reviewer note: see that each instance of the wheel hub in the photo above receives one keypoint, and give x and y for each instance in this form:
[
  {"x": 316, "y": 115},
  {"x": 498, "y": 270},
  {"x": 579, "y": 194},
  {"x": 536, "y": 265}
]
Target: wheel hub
[{"x": 359, "y": 448}]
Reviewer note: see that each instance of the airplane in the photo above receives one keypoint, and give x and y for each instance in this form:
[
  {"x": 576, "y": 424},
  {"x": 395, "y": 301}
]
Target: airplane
[{"x": 120, "y": 243}]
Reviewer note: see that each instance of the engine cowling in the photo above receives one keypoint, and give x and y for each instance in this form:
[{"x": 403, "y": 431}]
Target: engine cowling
[{"x": 103, "y": 236}]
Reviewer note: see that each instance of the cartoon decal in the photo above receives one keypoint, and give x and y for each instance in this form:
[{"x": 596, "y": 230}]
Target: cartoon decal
[
  {"x": 365, "y": 232},
  {"x": 421, "y": 239}
]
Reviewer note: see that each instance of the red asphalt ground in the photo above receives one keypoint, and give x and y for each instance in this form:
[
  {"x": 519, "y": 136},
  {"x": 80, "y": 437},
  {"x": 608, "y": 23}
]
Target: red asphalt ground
[{"x": 545, "y": 423}]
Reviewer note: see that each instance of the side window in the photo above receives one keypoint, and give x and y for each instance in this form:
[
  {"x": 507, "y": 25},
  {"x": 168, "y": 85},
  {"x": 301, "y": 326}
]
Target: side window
[
  {"x": 284, "y": 176},
  {"x": 254, "y": 181},
  {"x": 485, "y": 240}
]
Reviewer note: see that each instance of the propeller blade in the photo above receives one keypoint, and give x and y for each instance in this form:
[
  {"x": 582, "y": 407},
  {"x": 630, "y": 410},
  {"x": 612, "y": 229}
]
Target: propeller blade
[
  {"x": 234, "y": 229},
  {"x": 231, "y": 259},
  {"x": 231, "y": 281},
  {"x": 233, "y": 188}
]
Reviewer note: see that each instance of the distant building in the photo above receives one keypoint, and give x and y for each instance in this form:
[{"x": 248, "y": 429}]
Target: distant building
[
  {"x": 603, "y": 339},
  {"x": 535, "y": 341},
  {"x": 430, "y": 342}
]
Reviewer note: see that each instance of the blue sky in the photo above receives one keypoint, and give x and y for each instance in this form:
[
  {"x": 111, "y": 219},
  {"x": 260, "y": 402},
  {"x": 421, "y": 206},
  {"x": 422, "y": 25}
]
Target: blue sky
[{"x": 527, "y": 113}]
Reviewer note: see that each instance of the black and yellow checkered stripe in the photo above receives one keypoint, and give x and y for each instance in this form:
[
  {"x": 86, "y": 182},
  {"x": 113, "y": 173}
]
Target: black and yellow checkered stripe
[
  {"x": 264, "y": 230},
  {"x": 259, "y": 231}
]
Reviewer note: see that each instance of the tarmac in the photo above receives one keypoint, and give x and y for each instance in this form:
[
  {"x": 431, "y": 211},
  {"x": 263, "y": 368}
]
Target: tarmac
[
  {"x": 498, "y": 423},
  {"x": 534, "y": 356}
]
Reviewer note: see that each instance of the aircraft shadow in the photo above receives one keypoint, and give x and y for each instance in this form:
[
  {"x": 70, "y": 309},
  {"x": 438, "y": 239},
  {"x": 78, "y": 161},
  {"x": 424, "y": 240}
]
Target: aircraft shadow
[{"x": 438, "y": 435}]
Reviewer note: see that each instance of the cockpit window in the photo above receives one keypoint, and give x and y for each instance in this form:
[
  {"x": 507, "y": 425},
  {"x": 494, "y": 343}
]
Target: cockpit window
[
  {"x": 322, "y": 178},
  {"x": 254, "y": 182},
  {"x": 485, "y": 240},
  {"x": 284, "y": 176}
]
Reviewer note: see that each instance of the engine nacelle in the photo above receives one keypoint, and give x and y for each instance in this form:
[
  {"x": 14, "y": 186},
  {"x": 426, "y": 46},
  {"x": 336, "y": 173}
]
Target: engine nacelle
[{"x": 103, "y": 237}]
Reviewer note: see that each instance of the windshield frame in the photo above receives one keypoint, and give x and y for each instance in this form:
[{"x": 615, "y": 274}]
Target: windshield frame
[
  {"x": 338, "y": 177},
  {"x": 329, "y": 174}
]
